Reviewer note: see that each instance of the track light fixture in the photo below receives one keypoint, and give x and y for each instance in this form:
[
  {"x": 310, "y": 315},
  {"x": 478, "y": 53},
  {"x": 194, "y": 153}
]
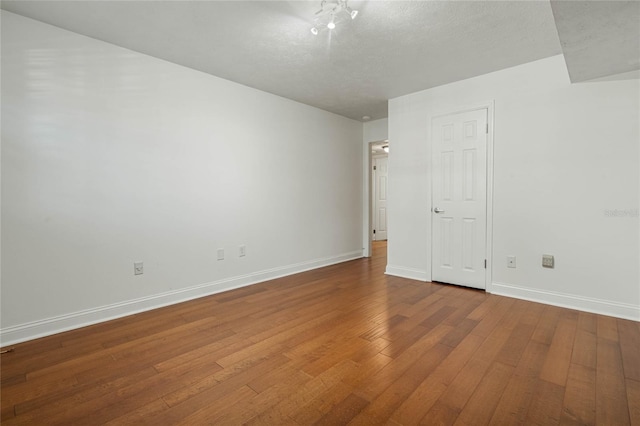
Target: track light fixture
[{"x": 332, "y": 11}]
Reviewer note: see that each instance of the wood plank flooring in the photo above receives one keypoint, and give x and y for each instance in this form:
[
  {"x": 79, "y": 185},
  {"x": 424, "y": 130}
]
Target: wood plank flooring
[{"x": 339, "y": 345}]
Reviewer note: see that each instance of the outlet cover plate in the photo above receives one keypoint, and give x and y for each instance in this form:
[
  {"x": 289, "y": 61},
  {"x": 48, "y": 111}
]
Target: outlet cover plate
[
  {"x": 511, "y": 261},
  {"x": 548, "y": 261}
]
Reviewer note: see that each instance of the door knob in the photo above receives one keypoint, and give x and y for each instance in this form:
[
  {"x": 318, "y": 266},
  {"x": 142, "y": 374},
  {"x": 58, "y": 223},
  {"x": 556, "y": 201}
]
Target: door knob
[{"x": 437, "y": 210}]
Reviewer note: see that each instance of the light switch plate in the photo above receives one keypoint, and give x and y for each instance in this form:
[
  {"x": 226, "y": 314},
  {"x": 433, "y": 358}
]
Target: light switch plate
[
  {"x": 220, "y": 254},
  {"x": 138, "y": 268}
]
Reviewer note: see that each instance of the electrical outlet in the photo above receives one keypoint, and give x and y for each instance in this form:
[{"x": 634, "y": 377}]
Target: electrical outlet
[
  {"x": 547, "y": 261},
  {"x": 242, "y": 251},
  {"x": 138, "y": 268},
  {"x": 220, "y": 254},
  {"x": 511, "y": 261}
]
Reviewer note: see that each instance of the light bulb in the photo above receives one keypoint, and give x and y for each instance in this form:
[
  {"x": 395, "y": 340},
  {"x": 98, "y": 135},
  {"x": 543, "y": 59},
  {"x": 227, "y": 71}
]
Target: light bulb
[
  {"x": 353, "y": 14},
  {"x": 331, "y": 25},
  {"x": 314, "y": 31}
]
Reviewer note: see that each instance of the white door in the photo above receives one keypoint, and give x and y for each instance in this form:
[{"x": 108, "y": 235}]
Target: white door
[
  {"x": 459, "y": 213},
  {"x": 380, "y": 198}
]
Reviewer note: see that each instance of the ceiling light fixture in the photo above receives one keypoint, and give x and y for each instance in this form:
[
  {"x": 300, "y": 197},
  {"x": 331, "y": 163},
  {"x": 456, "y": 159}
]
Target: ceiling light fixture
[
  {"x": 386, "y": 148},
  {"x": 332, "y": 11}
]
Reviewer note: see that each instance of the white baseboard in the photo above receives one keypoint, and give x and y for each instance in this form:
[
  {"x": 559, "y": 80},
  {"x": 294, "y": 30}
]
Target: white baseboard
[
  {"x": 413, "y": 274},
  {"x": 596, "y": 306},
  {"x": 46, "y": 327}
]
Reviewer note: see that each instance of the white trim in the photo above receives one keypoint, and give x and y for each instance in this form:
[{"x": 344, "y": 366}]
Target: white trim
[
  {"x": 489, "y": 241},
  {"x": 581, "y": 303},
  {"x": 46, "y": 327},
  {"x": 413, "y": 274},
  {"x": 367, "y": 249},
  {"x": 490, "y": 107}
]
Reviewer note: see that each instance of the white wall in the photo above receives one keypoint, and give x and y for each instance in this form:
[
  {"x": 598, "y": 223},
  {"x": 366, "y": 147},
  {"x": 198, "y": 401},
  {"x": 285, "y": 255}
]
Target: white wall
[
  {"x": 372, "y": 131},
  {"x": 375, "y": 131},
  {"x": 111, "y": 157},
  {"x": 564, "y": 155}
]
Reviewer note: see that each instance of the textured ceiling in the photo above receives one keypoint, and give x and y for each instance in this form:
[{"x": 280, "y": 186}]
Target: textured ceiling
[
  {"x": 599, "y": 38},
  {"x": 393, "y": 47}
]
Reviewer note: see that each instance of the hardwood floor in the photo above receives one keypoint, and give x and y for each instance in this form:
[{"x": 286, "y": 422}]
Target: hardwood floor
[{"x": 342, "y": 344}]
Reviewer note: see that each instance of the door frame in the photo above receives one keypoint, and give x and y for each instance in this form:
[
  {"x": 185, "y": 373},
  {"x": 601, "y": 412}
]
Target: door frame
[
  {"x": 489, "y": 106},
  {"x": 368, "y": 241}
]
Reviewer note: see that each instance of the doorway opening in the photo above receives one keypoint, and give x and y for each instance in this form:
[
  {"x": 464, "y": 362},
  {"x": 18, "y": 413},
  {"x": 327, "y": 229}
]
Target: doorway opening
[{"x": 378, "y": 189}]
